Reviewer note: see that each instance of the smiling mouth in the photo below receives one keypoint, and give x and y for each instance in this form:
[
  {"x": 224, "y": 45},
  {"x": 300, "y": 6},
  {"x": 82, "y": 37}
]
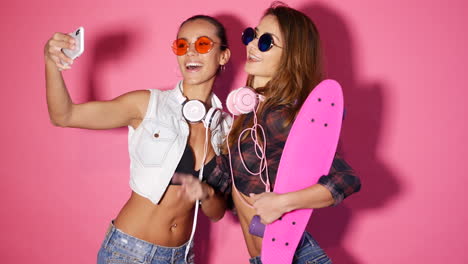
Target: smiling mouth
[
  {"x": 193, "y": 66},
  {"x": 253, "y": 58}
]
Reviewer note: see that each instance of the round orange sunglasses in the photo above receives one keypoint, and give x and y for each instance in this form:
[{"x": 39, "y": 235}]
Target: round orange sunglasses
[{"x": 202, "y": 45}]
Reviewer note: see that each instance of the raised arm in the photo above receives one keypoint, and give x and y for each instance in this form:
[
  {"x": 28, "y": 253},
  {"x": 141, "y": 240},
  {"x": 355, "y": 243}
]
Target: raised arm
[{"x": 124, "y": 110}]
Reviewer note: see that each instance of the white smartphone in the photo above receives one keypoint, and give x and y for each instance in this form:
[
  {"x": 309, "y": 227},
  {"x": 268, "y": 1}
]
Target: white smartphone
[{"x": 78, "y": 35}]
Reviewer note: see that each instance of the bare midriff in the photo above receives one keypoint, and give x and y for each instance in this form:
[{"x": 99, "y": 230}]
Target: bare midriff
[
  {"x": 245, "y": 214},
  {"x": 168, "y": 223}
]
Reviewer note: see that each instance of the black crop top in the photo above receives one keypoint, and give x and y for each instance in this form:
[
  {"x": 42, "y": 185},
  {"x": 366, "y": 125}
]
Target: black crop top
[{"x": 187, "y": 164}]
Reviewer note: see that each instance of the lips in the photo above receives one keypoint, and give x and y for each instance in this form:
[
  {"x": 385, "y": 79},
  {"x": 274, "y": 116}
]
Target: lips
[{"x": 253, "y": 58}]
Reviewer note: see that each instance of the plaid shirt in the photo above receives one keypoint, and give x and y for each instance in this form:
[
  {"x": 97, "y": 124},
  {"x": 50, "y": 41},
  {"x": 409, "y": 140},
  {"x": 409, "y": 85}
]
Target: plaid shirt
[{"x": 341, "y": 180}]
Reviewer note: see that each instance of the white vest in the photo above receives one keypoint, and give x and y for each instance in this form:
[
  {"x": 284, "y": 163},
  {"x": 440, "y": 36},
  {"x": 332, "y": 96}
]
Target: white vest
[{"x": 158, "y": 143}]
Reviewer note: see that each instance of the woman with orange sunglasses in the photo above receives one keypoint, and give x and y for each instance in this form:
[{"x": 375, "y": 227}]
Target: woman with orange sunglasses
[{"x": 171, "y": 133}]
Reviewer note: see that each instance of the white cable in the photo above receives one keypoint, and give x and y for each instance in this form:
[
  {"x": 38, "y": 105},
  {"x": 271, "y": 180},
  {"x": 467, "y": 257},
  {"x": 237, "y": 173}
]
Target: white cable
[{"x": 197, "y": 202}]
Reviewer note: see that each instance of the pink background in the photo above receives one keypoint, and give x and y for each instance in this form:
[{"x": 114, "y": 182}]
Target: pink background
[{"x": 403, "y": 68}]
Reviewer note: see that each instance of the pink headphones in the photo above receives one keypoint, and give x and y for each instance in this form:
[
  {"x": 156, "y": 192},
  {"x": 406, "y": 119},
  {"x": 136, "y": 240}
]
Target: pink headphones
[{"x": 242, "y": 100}]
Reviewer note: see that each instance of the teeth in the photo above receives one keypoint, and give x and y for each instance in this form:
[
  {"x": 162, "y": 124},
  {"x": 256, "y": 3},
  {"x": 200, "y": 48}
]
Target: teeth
[
  {"x": 253, "y": 57},
  {"x": 193, "y": 64}
]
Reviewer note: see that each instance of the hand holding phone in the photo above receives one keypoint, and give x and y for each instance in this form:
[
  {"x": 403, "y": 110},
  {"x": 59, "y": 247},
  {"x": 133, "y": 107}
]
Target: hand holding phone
[{"x": 78, "y": 35}]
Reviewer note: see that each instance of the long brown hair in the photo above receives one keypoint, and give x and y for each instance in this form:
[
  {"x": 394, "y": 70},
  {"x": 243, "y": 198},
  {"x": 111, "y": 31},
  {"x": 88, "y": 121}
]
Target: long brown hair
[{"x": 300, "y": 68}]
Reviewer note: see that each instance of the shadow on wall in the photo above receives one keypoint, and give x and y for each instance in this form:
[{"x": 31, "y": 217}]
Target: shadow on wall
[
  {"x": 365, "y": 103},
  {"x": 109, "y": 48},
  {"x": 224, "y": 84},
  {"x": 234, "y": 68}
]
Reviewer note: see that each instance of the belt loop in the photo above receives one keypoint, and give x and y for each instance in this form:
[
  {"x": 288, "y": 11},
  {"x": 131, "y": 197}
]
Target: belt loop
[
  {"x": 154, "y": 249},
  {"x": 303, "y": 240},
  {"x": 110, "y": 232}
]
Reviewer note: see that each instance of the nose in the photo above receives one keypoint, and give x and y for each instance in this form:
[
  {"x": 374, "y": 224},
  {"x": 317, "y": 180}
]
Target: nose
[
  {"x": 253, "y": 44},
  {"x": 191, "y": 49}
]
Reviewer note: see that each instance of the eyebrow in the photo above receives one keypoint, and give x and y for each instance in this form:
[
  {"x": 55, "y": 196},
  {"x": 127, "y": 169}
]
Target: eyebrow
[
  {"x": 277, "y": 38},
  {"x": 203, "y": 36}
]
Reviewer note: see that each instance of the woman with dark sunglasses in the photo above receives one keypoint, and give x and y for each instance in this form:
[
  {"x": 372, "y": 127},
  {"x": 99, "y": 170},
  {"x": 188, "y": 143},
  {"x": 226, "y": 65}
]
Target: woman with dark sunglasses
[
  {"x": 172, "y": 134},
  {"x": 283, "y": 66}
]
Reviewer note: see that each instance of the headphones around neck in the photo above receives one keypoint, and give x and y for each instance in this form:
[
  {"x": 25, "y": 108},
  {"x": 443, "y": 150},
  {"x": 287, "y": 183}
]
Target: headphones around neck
[
  {"x": 194, "y": 111},
  {"x": 243, "y": 100}
]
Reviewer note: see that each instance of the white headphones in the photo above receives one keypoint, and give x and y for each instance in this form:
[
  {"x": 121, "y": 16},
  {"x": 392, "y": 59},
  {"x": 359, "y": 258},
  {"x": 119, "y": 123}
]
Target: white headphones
[{"x": 194, "y": 111}]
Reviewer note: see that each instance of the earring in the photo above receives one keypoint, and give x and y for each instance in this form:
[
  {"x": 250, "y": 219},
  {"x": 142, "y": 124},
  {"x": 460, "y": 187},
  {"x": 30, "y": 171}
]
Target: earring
[{"x": 222, "y": 67}]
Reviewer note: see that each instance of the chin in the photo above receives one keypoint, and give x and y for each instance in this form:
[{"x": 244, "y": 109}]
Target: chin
[
  {"x": 255, "y": 71},
  {"x": 192, "y": 81},
  {"x": 196, "y": 80},
  {"x": 250, "y": 69}
]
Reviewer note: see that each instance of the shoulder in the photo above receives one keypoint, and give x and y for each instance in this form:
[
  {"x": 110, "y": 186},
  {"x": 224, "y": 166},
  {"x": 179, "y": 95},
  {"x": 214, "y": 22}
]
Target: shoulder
[
  {"x": 136, "y": 101},
  {"x": 276, "y": 120},
  {"x": 164, "y": 94},
  {"x": 136, "y": 95},
  {"x": 138, "y": 98},
  {"x": 276, "y": 114}
]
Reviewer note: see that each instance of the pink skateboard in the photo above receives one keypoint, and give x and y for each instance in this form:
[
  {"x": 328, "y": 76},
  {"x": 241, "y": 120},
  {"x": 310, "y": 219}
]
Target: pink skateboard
[{"x": 307, "y": 155}]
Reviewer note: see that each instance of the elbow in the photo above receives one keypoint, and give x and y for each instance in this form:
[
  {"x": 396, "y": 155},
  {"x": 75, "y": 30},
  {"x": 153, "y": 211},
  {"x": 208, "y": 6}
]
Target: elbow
[
  {"x": 61, "y": 116},
  {"x": 218, "y": 217},
  {"x": 353, "y": 187},
  {"x": 329, "y": 200},
  {"x": 58, "y": 122},
  {"x": 218, "y": 214}
]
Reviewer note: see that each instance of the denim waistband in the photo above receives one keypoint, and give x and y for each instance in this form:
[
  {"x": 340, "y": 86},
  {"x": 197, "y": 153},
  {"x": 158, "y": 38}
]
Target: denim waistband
[{"x": 137, "y": 248}]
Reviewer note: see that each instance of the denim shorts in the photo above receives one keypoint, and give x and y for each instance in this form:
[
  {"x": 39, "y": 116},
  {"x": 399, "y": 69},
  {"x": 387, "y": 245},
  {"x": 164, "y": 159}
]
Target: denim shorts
[
  {"x": 121, "y": 248},
  {"x": 308, "y": 252}
]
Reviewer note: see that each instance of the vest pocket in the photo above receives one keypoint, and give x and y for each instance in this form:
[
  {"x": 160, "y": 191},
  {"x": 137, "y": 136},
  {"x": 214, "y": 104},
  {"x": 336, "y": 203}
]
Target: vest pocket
[{"x": 155, "y": 142}]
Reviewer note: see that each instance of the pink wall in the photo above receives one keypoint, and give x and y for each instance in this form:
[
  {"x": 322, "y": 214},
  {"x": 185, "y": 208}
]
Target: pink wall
[{"x": 403, "y": 66}]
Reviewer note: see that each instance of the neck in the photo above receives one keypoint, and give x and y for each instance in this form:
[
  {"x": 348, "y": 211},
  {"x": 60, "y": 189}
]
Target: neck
[
  {"x": 259, "y": 81},
  {"x": 200, "y": 92}
]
